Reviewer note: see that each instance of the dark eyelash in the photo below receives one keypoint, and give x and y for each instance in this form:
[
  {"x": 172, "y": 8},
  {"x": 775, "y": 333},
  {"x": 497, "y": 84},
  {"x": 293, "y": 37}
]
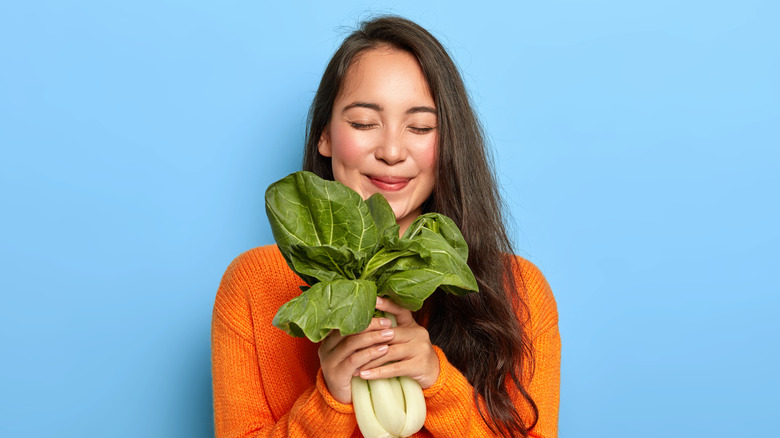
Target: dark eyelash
[
  {"x": 360, "y": 125},
  {"x": 422, "y": 130}
]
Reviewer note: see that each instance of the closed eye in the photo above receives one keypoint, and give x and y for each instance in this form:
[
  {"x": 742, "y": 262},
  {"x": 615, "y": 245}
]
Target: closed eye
[
  {"x": 362, "y": 125},
  {"x": 419, "y": 130}
]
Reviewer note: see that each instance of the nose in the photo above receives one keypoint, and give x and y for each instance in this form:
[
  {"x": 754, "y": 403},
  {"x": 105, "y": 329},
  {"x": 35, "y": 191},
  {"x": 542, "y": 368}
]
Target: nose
[{"x": 391, "y": 149}]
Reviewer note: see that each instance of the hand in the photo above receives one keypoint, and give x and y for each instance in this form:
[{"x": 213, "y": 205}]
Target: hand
[
  {"x": 410, "y": 351},
  {"x": 342, "y": 356}
]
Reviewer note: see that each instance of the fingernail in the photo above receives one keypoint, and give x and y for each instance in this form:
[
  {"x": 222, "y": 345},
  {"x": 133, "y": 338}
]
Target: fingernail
[
  {"x": 381, "y": 348},
  {"x": 365, "y": 373},
  {"x": 386, "y": 333},
  {"x": 384, "y": 322},
  {"x": 379, "y": 300}
]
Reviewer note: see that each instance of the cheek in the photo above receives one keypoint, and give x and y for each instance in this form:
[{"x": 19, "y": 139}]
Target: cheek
[
  {"x": 427, "y": 154},
  {"x": 347, "y": 146}
]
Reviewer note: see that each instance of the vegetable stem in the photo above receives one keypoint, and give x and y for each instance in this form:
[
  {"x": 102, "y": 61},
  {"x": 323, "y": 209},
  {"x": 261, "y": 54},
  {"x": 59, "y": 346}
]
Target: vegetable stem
[
  {"x": 392, "y": 407},
  {"x": 364, "y": 411}
]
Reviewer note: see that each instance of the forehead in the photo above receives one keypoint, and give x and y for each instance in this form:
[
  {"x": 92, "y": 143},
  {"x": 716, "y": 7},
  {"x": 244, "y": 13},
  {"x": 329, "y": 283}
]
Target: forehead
[{"x": 388, "y": 74}]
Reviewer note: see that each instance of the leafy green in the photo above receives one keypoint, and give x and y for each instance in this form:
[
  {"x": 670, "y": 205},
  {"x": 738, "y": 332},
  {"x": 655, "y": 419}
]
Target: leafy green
[
  {"x": 349, "y": 252},
  {"x": 328, "y": 305}
]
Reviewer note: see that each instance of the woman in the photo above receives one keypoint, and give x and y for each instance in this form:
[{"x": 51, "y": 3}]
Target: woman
[{"x": 392, "y": 116}]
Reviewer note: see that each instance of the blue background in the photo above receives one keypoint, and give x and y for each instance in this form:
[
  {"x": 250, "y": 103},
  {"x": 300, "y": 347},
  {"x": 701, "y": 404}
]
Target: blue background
[{"x": 636, "y": 145}]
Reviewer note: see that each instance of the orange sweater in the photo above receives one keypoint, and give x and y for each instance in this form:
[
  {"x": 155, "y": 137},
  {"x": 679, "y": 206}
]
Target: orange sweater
[{"x": 268, "y": 384}]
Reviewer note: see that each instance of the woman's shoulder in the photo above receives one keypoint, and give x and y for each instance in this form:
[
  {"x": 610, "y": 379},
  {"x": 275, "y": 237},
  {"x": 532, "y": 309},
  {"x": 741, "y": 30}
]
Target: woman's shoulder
[
  {"x": 257, "y": 275},
  {"x": 539, "y": 297},
  {"x": 261, "y": 258},
  {"x": 261, "y": 267}
]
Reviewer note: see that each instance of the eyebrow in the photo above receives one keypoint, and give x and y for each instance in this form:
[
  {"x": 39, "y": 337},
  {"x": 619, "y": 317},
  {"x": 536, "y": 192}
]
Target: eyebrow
[
  {"x": 421, "y": 109},
  {"x": 372, "y": 106},
  {"x": 375, "y": 107}
]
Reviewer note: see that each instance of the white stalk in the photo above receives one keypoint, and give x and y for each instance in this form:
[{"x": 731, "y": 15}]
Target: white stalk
[
  {"x": 364, "y": 411},
  {"x": 398, "y": 392},
  {"x": 414, "y": 400},
  {"x": 388, "y": 411},
  {"x": 385, "y": 408}
]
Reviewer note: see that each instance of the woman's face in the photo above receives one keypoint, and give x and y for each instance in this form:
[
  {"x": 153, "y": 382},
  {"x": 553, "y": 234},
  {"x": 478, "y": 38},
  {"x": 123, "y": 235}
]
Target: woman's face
[{"x": 382, "y": 135}]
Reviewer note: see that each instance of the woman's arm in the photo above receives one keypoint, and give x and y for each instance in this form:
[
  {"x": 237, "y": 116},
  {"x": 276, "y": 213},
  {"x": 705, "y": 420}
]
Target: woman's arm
[
  {"x": 241, "y": 407},
  {"x": 451, "y": 407},
  {"x": 546, "y": 340},
  {"x": 545, "y": 385},
  {"x": 247, "y": 389}
]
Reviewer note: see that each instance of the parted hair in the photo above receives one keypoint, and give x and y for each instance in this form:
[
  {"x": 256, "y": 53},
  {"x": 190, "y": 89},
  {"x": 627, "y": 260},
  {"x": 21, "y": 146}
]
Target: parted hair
[{"x": 479, "y": 333}]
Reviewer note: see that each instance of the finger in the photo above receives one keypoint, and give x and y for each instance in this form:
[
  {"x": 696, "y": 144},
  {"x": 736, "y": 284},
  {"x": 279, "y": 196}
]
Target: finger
[
  {"x": 395, "y": 353},
  {"x": 353, "y": 343},
  {"x": 359, "y": 359},
  {"x": 393, "y": 369},
  {"x": 415, "y": 334},
  {"x": 335, "y": 337},
  {"x": 425, "y": 372},
  {"x": 407, "y": 344},
  {"x": 330, "y": 341},
  {"x": 402, "y": 315}
]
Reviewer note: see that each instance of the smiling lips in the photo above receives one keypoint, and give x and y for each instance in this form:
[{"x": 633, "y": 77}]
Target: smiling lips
[{"x": 389, "y": 183}]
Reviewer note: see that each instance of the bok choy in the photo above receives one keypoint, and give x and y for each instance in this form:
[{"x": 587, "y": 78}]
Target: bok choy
[{"x": 348, "y": 251}]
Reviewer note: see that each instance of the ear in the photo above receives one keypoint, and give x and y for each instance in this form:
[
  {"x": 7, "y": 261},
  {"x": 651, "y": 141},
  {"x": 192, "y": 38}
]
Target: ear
[{"x": 324, "y": 146}]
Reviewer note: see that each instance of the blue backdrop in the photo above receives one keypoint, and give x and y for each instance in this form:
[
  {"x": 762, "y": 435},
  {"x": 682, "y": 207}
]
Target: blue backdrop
[{"x": 636, "y": 144}]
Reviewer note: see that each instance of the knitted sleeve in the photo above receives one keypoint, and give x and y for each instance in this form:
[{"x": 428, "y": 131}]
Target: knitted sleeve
[
  {"x": 241, "y": 404},
  {"x": 450, "y": 401}
]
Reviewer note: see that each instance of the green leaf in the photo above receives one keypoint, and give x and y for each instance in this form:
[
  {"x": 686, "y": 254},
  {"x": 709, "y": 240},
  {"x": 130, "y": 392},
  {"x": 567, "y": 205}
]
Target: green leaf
[
  {"x": 443, "y": 226},
  {"x": 348, "y": 249},
  {"x": 411, "y": 279},
  {"x": 306, "y": 210},
  {"x": 386, "y": 258},
  {"x": 309, "y": 210},
  {"x": 383, "y": 215},
  {"x": 410, "y": 288},
  {"x": 325, "y": 263},
  {"x": 344, "y": 305}
]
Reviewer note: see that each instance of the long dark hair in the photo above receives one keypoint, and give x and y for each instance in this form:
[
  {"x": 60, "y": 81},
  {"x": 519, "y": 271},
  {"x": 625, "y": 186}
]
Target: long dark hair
[{"x": 479, "y": 333}]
